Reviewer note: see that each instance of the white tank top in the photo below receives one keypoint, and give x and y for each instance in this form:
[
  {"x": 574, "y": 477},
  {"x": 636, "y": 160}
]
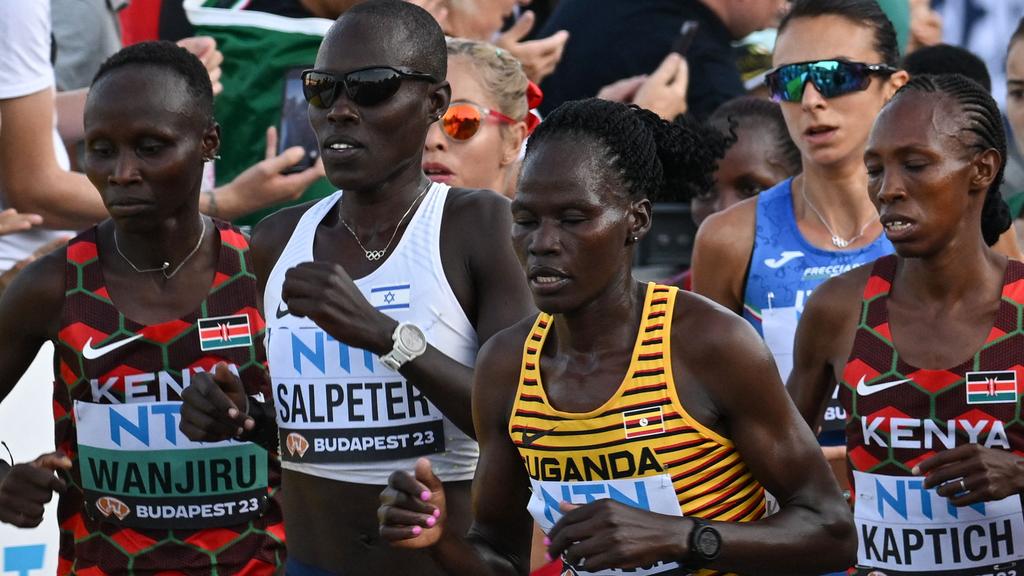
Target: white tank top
[{"x": 342, "y": 414}]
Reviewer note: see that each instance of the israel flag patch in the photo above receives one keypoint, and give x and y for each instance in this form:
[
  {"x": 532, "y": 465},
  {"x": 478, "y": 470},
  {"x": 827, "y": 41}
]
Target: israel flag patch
[{"x": 390, "y": 297}]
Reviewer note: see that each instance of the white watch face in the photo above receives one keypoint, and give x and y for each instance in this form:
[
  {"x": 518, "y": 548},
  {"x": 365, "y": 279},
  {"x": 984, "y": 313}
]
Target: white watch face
[{"x": 412, "y": 338}]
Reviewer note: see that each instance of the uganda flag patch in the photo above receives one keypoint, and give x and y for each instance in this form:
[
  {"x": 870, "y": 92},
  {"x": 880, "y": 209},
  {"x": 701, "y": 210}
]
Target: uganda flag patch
[
  {"x": 643, "y": 422},
  {"x": 992, "y": 387},
  {"x": 224, "y": 332}
]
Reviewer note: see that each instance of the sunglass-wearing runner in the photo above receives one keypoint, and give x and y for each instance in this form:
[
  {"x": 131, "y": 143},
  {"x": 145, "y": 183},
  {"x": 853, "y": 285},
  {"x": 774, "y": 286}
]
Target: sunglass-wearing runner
[
  {"x": 925, "y": 345},
  {"x": 763, "y": 257},
  {"x": 477, "y": 143},
  {"x": 634, "y": 445},
  {"x": 377, "y": 300},
  {"x": 140, "y": 308}
]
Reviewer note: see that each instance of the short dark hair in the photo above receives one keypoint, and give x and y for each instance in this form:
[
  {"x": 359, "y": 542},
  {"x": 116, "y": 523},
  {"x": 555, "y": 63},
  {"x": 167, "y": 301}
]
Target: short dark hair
[
  {"x": 169, "y": 56},
  {"x": 946, "y": 59},
  {"x": 653, "y": 158},
  {"x": 863, "y": 12},
  {"x": 758, "y": 114},
  {"x": 415, "y": 34},
  {"x": 981, "y": 117}
]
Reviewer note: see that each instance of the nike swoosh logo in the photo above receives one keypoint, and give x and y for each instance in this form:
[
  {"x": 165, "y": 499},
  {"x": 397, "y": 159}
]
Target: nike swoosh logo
[
  {"x": 529, "y": 439},
  {"x": 91, "y": 353},
  {"x": 281, "y": 312},
  {"x": 781, "y": 261},
  {"x": 869, "y": 389}
]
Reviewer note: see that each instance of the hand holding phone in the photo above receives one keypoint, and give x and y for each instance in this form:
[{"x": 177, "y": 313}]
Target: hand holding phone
[
  {"x": 688, "y": 31},
  {"x": 295, "y": 128}
]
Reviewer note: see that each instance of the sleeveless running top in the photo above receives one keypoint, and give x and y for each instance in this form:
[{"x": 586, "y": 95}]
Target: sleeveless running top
[
  {"x": 901, "y": 414},
  {"x": 640, "y": 447},
  {"x": 143, "y": 498},
  {"x": 342, "y": 414},
  {"x": 784, "y": 269}
]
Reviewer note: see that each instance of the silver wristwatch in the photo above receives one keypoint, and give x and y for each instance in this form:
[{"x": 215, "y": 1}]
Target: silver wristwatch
[{"x": 409, "y": 344}]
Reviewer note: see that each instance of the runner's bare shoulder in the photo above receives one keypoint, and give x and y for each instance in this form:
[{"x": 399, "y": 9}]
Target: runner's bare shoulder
[
  {"x": 833, "y": 307},
  {"x": 35, "y": 298},
  {"x": 270, "y": 235}
]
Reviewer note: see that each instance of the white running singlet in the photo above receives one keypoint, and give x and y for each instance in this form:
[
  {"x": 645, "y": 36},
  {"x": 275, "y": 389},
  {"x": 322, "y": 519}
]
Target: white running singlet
[{"x": 342, "y": 414}]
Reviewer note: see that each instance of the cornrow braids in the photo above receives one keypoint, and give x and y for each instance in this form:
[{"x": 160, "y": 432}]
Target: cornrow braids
[
  {"x": 983, "y": 119},
  {"x": 654, "y": 159},
  {"x": 752, "y": 113}
]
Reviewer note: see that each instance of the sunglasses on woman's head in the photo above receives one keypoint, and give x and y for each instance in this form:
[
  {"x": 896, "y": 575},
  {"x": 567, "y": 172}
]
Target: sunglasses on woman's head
[
  {"x": 830, "y": 77},
  {"x": 463, "y": 119},
  {"x": 364, "y": 87}
]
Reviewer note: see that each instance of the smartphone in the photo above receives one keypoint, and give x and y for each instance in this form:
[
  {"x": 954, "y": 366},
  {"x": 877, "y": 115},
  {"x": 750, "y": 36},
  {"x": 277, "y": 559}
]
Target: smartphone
[
  {"x": 295, "y": 129},
  {"x": 681, "y": 45}
]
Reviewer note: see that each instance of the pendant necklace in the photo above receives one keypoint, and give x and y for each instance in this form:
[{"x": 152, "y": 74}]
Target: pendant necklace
[
  {"x": 163, "y": 267},
  {"x": 837, "y": 240},
  {"x": 374, "y": 255}
]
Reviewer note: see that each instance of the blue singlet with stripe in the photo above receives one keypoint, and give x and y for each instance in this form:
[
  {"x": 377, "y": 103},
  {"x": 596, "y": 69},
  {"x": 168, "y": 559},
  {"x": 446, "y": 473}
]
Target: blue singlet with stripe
[{"x": 785, "y": 268}]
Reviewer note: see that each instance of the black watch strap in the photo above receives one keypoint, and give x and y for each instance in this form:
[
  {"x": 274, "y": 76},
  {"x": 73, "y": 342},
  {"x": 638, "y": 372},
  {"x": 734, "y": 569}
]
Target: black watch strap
[{"x": 705, "y": 544}]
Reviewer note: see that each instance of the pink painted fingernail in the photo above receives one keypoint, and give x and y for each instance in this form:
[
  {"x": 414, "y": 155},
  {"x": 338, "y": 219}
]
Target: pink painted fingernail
[
  {"x": 547, "y": 541},
  {"x": 431, "y": 521},
  {"x": 547, "y": 557},
  {"x": 425, "y": 495},
  {"x": 416, "y": 530},
  {"x": 437, "y": 512}
]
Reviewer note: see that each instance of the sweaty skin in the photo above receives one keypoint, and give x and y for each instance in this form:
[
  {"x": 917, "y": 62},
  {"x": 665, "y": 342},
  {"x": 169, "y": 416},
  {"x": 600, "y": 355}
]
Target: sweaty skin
[
  {"x": 333, "y": 524},
  {"x": 569, "y": 219},
  {"x": 945, "y": 294},
  {"x": 145, "y": 151}
]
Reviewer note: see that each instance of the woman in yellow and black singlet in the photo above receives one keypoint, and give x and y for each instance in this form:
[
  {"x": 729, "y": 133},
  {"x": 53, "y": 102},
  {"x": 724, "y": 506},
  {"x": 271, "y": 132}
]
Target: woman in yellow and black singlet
[{"x": 638, "y": 425}]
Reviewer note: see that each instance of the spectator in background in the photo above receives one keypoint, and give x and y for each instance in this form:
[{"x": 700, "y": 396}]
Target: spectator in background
[
  {"x": 984, "y": 27},
  {"x": 483, "y": 20},
  {"x": 476, "y": 143},
  {"x": 616, "y": 39},
  {"x": 662, "y": 92}
]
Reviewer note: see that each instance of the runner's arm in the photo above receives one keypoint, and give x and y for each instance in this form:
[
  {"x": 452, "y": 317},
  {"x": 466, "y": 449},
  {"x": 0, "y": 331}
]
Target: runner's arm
[
  {"x": 823, "y": 337},
  {"x": 29, "y": 174},
  {"x": 29, "y": 315},
  {"x": 495, "y": 295},
  {"x": 813, "y": 532},
  {"x": 721, "y": 254},
  {"x": 498, "y": 543}
]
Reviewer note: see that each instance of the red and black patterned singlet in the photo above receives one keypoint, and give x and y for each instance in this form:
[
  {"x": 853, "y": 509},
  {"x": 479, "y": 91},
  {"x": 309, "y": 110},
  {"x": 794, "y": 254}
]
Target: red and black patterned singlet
[
  {"x": 133, "y": 506},
  {"x": 900, "y": 415}
]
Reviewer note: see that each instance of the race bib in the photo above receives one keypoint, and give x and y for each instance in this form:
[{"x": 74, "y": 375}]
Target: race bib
[
  {"x": 337, "y": 404},
  {"x": 653, "y": 493},
  {"x": 779, "y": 328},
  {"x": 904, "y": 529},
  {"x": 138, "y": 470}
]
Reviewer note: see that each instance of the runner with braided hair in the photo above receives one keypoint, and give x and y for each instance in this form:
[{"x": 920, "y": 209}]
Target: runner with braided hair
[
  {"x": 633, "y": 445},
  {"x": 925, "y": 345}
]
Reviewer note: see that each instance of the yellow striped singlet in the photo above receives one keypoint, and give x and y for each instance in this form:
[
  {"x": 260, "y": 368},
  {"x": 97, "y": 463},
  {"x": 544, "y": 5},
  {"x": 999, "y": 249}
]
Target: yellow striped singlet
[{"x": 640, "y": 447}]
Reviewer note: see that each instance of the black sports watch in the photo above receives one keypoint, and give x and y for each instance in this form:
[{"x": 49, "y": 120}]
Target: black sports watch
[{"x": 705, "y": 544}]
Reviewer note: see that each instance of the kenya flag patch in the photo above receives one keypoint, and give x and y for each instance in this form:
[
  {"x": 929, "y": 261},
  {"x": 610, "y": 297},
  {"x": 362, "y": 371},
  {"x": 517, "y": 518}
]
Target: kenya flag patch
[
  {"x": 996, "y": 387},
  {"x": 224, "y": 332}
]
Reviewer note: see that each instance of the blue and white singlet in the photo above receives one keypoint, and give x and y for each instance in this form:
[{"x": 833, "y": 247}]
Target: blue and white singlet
[{"x": 785, "y": 268}]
